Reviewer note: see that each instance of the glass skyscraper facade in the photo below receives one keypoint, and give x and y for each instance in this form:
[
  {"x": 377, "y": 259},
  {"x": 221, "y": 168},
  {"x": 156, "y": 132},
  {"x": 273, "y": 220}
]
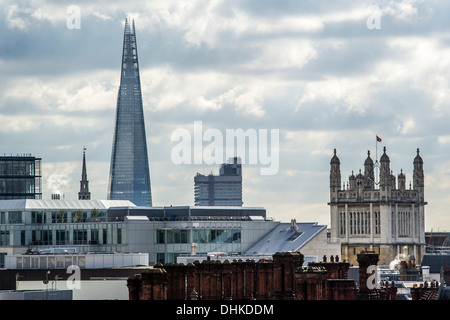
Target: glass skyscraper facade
[
  {"x": 20, "y": 177},
  {"x": 129, "y": 173}
]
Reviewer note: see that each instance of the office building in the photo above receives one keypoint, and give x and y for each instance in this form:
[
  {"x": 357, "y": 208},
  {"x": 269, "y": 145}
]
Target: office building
[
  {"x": 29, "y": 225},
  {"x": 129, "y": 172},
  {"x": 164, "y": 233},
  {"x": 381, "y": 216},
  {"x": 222, "y": 190},
  {"x": 20, "y": 177}
]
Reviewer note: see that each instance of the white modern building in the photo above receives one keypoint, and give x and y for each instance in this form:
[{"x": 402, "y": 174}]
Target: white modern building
[
  {"x": 47, "y": 261},
  {"x": 36, "y": 229}
]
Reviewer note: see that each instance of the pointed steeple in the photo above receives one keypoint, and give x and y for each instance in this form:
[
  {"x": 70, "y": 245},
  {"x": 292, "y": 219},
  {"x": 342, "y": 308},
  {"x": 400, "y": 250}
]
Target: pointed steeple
[
  {"x": 84, "y": 193},
  {"x": 129, "y": 172}
]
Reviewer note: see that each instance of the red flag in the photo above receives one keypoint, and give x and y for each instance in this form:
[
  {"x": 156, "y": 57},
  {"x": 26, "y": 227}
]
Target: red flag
[{"x": 378, "y": 139}]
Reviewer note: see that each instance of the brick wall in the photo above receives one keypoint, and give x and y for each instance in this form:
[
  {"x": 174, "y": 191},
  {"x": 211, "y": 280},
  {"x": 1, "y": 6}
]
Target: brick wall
[{"x": 281, "y": 278}]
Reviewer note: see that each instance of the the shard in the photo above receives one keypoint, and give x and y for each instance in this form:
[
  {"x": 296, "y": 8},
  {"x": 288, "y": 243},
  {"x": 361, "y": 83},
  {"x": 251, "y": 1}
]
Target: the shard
[{"x": 129, "y": 177}]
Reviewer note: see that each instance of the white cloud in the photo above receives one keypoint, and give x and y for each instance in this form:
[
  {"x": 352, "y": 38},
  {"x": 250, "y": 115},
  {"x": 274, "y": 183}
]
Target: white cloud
[
  {"x": 283, "y": 54},
  {"x": 15, "y": 21},
  {"x": 235, "y": 64},
  {"x": 16, "y": 124},
  {"x": 406, "y": 126}
]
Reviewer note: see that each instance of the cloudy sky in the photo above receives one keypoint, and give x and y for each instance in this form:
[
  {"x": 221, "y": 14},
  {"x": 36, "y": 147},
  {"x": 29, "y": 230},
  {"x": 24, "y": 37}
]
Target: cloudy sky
[{"x": 326, "y": 74}]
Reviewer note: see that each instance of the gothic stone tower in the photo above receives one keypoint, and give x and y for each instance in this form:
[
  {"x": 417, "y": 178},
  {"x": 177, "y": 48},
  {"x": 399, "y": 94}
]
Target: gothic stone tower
[
  {"x": 129, "y": 173},
  {"x": 383, "y": 216}
]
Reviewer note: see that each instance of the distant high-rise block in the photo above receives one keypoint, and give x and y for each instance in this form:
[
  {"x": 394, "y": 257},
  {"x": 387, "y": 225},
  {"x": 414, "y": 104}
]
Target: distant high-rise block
[
  {"x": 129, "y": 173},
  {"x": 222, "y": 190}
]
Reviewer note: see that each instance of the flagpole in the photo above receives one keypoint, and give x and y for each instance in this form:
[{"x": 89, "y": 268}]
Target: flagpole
[
  {"x": 377, "y": 139},
  {"x": 376, "y": 159},
  {"x": 376, "y": 149}
]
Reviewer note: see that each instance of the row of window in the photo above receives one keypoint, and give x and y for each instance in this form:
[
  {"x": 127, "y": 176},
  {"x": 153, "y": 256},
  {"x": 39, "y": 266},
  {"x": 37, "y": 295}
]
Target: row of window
[
  {"x": 405, "y": 223},
  {"x": 22, "y": 168},
  {"x": 64, "y": 237},
  {"x": 44, "y": 217},
  {"x": 52, "y": 262},
  {"x": 359, "y": 223},
  {"x": 18, "y": 185},
  {"x": 199, "y": 236}
]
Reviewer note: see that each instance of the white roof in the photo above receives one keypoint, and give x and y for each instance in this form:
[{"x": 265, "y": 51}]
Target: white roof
[
  {"x": 40, "y": 204},
  {"x": 136, "y": 218},
  {"x": 283, "y": 238}
]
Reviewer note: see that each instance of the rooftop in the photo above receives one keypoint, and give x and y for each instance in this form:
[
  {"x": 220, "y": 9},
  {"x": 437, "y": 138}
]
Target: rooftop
[
  {"x": 40, "y": 204},
  {"x": 286, "y": 237}
]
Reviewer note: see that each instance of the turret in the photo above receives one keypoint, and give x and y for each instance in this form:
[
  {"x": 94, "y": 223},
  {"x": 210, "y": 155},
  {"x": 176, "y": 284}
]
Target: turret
[
  {"x": 335, "y": 173},
  {"x": 401, "y": 179},
  {"x": 369, "y": 177},
  {"x": 352, "y": 181},
  {"x": 360, "y": 183},
  {"x": 385, "y": 171},
  {"x": 418, "y": 176}
]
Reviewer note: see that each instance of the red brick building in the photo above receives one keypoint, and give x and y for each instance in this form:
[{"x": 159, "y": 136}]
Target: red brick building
[{"x": 281, "y": 278}]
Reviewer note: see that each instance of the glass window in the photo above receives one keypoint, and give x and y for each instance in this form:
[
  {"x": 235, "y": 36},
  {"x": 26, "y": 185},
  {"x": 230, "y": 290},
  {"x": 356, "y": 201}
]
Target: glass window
[
  {"x": 159, "y": 236},
  {"x": 59, "y": 262},
  {"x": 81, "y": 261},
  {"x": 4, "y": 238},
  {"x": 51, "y": 262},
  {"x": 94, "y": 236},
  {"x": 177, "y": 236},
  {"x": 160, "y": 257},
  {"x": 34, "y": 262},
  {"x": 15, "y": 217},
  {"x": 43, "y": 263},
  {"x": 68, "y": 261},
  {"x": 217, "y": 236},
  {"x": 26, "y": 262}
]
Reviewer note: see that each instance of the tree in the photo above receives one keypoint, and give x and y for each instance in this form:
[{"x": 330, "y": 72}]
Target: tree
[{"x": 77, "y": 216}]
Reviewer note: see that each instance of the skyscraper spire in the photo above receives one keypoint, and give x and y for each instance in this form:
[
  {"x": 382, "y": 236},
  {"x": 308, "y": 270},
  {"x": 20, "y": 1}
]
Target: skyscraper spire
[
  {"x": 84, "y": 193},
  {"x": 129, "y": 173}
]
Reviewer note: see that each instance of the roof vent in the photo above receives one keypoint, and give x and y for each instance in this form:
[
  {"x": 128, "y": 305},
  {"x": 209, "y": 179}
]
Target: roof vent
[{"x": 294, "y": 225}]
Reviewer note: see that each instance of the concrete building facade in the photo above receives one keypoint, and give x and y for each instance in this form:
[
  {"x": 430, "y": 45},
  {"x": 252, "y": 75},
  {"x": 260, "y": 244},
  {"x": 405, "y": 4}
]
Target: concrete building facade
[{"x": 224, "y": 189}]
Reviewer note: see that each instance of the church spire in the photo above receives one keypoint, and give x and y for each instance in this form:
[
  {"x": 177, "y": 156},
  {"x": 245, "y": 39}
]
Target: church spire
[{"x": 84, "y": 193}]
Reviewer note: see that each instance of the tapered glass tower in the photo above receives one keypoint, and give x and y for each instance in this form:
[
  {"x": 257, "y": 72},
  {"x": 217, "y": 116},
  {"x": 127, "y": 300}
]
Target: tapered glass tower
[{"x": 129, "y": 177}]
